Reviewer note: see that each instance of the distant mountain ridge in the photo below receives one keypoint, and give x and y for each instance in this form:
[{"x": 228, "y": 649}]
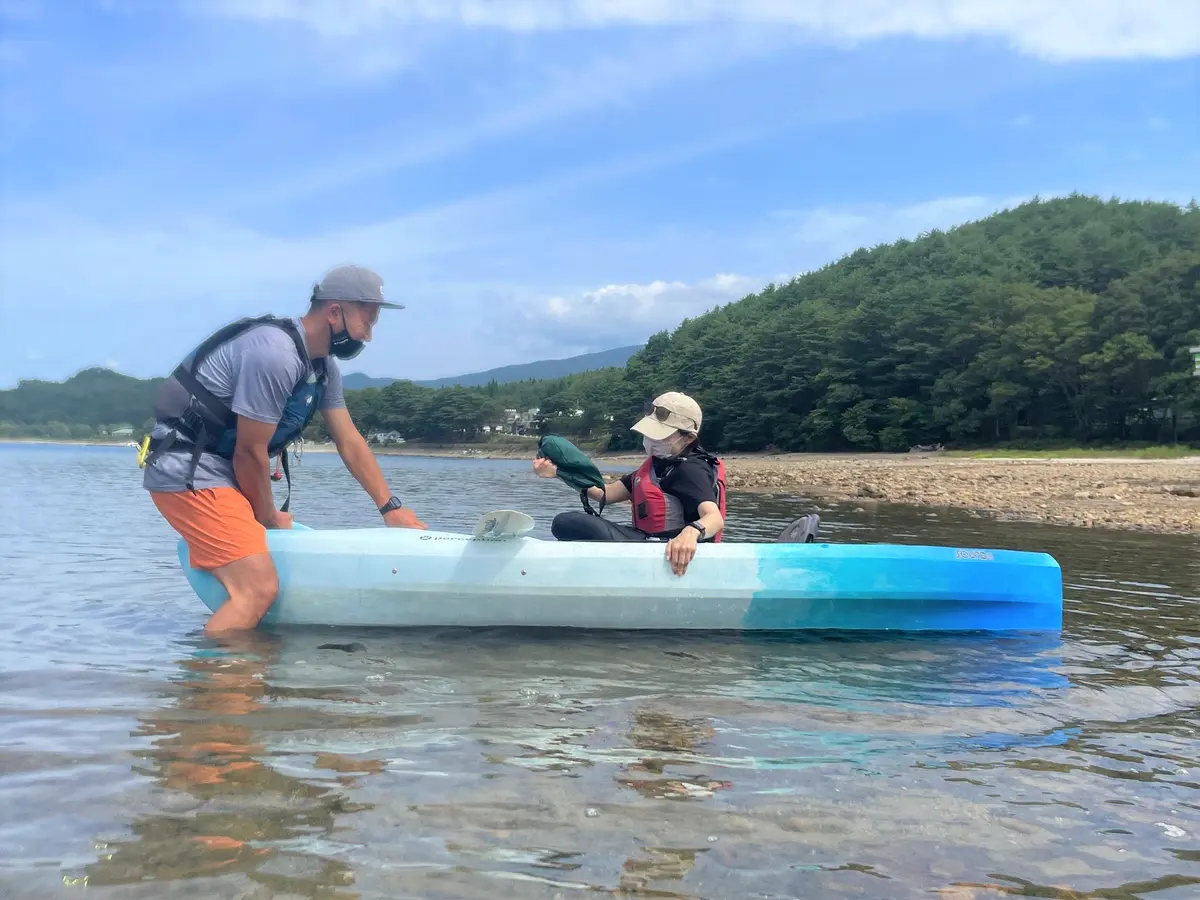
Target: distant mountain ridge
[{"x": 543, "y": 368}]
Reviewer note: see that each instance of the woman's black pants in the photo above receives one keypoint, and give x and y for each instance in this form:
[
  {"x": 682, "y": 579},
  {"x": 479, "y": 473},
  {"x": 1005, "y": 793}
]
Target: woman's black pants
[{"x": 579, "y": 526}]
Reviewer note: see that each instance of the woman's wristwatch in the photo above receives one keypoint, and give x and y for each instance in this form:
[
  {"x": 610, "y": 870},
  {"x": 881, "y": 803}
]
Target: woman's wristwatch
[{"x": 698, "y": 527}]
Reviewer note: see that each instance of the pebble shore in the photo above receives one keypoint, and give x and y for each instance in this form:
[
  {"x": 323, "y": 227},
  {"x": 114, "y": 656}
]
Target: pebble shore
[
  {"x": 1135, "y": 494},
  {"x": 1151, "y": 495}
]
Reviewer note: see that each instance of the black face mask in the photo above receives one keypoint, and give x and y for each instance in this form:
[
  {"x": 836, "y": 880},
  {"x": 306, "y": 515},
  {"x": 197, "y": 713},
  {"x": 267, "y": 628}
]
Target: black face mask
[{"x": 342, "y": 345}]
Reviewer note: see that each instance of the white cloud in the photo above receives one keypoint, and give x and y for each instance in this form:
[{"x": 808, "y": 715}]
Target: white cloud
[
  {"x": 1049, "y": 29},
  {"x": 484, "y": 285},
  {"x": 802, "y": 239},
  {"x": 635, "y": 311}
]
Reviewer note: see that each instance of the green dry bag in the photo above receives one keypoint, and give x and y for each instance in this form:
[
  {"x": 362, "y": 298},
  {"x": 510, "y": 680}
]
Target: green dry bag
[{"x": 574, "y": 466}]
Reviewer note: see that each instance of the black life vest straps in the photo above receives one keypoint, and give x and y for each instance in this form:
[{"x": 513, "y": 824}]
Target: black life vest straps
[
  {"x": 287, "y": 474},
  {"x": 213, "y": 405},
  {"x": 218, "y": 408},
  {"x": 194, "y": 429}
]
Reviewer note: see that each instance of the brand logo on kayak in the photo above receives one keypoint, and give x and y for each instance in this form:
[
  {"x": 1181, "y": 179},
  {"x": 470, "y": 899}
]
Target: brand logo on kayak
[
  {"x": 973, "y": 554},
  {"x": 461, "y": 537}
]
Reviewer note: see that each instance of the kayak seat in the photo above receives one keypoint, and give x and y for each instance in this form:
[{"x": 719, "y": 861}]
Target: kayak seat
[{"x": 802, "y": 531}]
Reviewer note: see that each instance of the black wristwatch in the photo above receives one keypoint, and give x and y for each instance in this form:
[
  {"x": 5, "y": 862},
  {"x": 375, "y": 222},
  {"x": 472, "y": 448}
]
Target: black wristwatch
[
  {"x": 393, "y": 503},
  {"x": 698, "y": 527}
]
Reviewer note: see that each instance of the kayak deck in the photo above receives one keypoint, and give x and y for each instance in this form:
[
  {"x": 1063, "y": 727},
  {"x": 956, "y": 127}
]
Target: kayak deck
[{"x": 405, "y": 578}]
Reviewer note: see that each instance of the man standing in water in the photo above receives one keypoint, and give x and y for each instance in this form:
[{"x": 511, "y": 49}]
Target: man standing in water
[{"x": 237, "y": 400}]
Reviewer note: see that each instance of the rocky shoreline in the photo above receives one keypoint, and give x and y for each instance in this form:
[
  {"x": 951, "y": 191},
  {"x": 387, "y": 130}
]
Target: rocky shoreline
[
  {"x": 1128, "y": 493},
  {"x": 1133, "y": 494}
]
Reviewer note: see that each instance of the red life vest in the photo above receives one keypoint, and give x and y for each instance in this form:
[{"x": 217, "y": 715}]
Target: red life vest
[{"x": 655, "y": 511}]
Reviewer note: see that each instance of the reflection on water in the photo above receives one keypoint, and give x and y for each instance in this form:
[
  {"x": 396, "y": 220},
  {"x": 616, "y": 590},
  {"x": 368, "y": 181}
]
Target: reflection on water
[
  {"x": 139, "y": 760},
  {"x": 230, "y": 810}
]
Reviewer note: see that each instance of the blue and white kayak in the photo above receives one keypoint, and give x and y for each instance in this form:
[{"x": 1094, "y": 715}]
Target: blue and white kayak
[{"x": 406, "y": 578}]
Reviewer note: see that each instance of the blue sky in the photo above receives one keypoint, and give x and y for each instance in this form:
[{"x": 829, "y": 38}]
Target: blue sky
[{"x": 535, "y": 178}]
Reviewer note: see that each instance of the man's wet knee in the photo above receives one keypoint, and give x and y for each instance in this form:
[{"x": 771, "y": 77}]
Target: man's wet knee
[{"x": 264, "y": 591}]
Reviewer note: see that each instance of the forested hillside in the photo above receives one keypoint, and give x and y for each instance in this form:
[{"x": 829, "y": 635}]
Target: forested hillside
[
  {"x": 81, "y": 407},
  {"x": 1066, "y": 320}
]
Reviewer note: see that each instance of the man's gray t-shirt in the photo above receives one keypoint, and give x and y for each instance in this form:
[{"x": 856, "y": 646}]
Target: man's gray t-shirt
[{"x": 255, "y": 373}]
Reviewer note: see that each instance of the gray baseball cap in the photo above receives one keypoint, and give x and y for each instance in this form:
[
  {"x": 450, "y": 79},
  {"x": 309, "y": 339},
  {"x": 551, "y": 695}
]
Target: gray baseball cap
[{"x": 352, "y": 283}]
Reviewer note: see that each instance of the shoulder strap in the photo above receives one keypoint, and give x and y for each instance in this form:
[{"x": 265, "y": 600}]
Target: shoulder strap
[
  {"x": 228, "y": 333},
  {"x": 301, "y": 347},
  {"x": 185, "y": 374}
]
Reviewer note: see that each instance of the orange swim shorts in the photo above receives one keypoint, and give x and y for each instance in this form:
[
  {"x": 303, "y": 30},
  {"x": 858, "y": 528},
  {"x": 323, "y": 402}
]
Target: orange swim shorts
[{"x": 218, "y": 524}]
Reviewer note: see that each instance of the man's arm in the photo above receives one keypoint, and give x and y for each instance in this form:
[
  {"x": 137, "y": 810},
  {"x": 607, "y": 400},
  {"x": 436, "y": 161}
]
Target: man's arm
[
  {"x": 361, "y": 463},
  {"x": 266, "y": 369},
  {"x": 353, "y": 449},
  {"x": 252, "y": 469}
]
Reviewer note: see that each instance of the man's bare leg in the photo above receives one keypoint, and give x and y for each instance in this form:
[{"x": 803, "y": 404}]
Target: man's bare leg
[{"x": 253, "y": 585}]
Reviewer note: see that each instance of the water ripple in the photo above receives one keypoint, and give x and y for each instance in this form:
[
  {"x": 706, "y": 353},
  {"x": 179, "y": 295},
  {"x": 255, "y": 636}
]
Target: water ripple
[{"x": 475, "y": 763}]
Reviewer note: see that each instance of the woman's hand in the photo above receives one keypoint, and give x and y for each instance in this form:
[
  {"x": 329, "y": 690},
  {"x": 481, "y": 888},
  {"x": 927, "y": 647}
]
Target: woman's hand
[
  {"x": 681, "y": 549},
  {"x": 544, "y": 468}
]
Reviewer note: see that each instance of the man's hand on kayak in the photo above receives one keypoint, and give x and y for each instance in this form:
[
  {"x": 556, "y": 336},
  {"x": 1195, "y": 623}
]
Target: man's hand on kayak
[
  {"x": 403, "y": 518},
  {"x": 681, "y": 549},
  {"x": 281, "y": 520}
]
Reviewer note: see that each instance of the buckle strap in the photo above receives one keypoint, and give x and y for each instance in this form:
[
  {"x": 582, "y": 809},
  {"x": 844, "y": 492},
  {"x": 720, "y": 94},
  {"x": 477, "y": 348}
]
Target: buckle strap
[
  {"x": 287, "y": 474},
  {"x": 212, "y": 404}
]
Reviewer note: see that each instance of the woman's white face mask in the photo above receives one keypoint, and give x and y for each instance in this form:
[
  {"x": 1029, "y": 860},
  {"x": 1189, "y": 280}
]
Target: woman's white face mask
[{"x": 661, "y": 449}]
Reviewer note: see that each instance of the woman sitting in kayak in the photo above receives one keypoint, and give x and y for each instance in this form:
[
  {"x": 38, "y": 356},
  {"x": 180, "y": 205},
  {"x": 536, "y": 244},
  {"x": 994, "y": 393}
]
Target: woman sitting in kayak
[{"x": 677, "y": 494}]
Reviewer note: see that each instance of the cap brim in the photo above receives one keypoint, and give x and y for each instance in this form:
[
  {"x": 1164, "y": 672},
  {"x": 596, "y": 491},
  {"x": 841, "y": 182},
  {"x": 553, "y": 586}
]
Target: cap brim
[
  {"x": 387, "y": 305},
  {"x": 654, "y": 429}
]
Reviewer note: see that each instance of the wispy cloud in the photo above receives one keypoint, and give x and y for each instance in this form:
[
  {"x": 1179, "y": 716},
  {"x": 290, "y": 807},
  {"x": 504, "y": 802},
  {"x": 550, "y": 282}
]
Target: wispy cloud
[
  {"x": 791, "y": 242},
  {"x": 205, "y": 273},
  {"x": 197, "y": 259},
  {"x": 633, "y": 311},
  {"x": 1057, "y": 30},
  {"x": 536, "y": 177},
  {"x": 558, "y": 92},
  {"x": 826, "y": 232}
]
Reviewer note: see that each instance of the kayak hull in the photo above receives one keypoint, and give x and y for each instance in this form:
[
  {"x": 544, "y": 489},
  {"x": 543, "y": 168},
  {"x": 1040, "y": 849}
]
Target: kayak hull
[{"x": 406, "y": 578}]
